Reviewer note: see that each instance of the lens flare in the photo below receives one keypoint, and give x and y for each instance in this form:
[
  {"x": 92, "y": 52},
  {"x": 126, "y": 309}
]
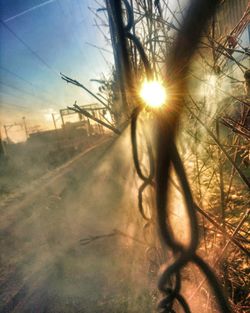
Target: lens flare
[{"x": 153, "y": 93}]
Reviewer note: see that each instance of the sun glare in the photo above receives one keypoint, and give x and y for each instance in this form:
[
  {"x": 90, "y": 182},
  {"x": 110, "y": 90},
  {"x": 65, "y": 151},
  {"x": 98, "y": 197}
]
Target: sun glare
[{"x": 153, "y": 93}]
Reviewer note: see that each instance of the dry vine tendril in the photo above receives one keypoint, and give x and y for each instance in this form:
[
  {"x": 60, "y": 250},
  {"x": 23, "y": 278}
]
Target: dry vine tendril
[{"x": 167, "y": 156}]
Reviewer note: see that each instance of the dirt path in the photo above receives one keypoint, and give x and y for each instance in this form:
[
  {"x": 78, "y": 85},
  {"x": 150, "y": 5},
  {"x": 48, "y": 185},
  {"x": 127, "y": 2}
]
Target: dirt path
[{"x": 44, "y": 268}]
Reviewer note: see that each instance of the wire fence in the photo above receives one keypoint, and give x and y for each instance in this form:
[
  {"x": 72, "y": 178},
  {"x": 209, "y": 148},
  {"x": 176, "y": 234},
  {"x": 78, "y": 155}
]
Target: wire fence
[{"x": 167, "y": 155}]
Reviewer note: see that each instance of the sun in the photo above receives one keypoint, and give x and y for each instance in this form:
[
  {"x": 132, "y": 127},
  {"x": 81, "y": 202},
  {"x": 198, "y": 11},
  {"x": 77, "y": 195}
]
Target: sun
[{"x": 153, "y": 93}]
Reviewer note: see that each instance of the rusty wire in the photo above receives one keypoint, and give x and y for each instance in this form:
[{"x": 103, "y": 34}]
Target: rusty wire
[
  {"x": 167, "y": 156},
  {"x": 152, "y": 252}
]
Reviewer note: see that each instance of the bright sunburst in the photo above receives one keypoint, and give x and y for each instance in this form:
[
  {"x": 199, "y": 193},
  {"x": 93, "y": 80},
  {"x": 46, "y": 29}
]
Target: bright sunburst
[{"x": 153, "y": 93}]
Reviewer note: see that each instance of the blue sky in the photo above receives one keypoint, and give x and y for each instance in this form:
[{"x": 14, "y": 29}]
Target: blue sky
[{"x": 39, "y": 39}]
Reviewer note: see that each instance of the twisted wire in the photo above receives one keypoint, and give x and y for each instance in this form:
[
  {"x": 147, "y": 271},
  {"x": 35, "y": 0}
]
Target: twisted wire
[
  {"x": 167, "y": 157},
  {"x": 147, "y": 182}
]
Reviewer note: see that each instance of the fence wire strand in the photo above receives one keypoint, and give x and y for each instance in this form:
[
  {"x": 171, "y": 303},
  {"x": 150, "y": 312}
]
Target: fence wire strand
[{"x": 167, "y": 155}]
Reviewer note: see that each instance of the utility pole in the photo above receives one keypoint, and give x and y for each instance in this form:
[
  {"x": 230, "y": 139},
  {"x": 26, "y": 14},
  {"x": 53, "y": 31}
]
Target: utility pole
[
  {"x": 56, "y": 130},
  {"x": 6, "y": 132},
  {"x": 54, "y": 121},
  {"x": 25, "y": 127},
  {"x": 9, "y": 126},
  {"x": 2, "y": 147},
  {"x": 61, "y": 114}
]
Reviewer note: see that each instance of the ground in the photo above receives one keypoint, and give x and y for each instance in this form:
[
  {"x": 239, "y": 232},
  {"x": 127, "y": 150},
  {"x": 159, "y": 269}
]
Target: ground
[{"x": 44, "y": 267}]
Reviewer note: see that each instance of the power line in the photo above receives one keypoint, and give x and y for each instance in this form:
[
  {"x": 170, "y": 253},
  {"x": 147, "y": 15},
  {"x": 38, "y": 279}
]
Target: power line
[
  {"x": 27, "y": 82},
  {"x": 9, "y": 94},
  {"x": 17, "y": 89},
  {"x": 10, "y": 105},
  {"x": 27, "y": 93},
  {"x": 3, "y": 102},
  {"x": 34, "y": 53},
  {"x": 16, "y": 75},
  {"x": 99, "y": 48}
]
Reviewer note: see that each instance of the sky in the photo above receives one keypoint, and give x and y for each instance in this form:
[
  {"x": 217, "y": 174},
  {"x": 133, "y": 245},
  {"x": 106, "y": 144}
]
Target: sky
[{"x": 38, "y": 40}]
